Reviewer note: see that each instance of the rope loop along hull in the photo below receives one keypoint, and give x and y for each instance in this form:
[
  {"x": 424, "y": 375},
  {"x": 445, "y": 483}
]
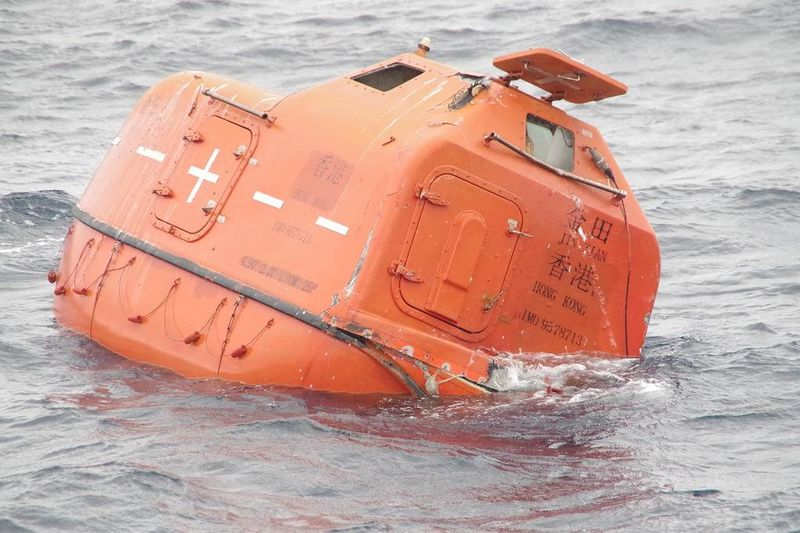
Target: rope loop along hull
[
  {"x": 358, "y": 237},
  {"x": 282, "y": 349}
]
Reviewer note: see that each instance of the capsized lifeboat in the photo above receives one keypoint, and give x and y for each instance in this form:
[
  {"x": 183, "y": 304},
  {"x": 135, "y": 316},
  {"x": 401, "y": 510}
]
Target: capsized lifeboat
[{"x": 395, "y": 230}]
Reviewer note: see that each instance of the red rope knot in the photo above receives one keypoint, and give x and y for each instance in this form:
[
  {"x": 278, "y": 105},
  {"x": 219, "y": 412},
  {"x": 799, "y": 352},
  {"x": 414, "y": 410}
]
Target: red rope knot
[
  {"x": 193, "y": 338},
  {"x": 83, "y": 292},
  {"x": 61, "y": 289},
  {"x": 52, "y": 276},
  {"x": 239, "y": 352},
  {"x": 136, "y": 319}
]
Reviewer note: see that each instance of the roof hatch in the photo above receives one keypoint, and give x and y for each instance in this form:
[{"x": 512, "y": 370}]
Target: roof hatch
[
  {"x": 388, "y": 77},
  {"x": 560, "y": 75}
]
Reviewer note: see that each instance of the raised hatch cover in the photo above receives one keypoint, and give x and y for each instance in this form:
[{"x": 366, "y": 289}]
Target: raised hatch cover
[{"x": 560, "y": 75}]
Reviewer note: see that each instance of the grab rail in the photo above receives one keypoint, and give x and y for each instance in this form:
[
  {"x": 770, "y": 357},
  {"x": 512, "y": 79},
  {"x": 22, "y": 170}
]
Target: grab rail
[
  {"x": 237, "y": 105},
  {"x": 564, "y": 174}
]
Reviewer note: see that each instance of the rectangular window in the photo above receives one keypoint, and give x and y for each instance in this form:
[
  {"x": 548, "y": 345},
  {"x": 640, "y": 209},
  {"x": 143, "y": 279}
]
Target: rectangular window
[
  {"x": 550, "y": 143},
  {"x": 387, "y": 78}
]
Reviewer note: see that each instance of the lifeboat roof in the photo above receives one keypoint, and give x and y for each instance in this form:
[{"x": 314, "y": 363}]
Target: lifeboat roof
[{"x": 560, "y": 75}]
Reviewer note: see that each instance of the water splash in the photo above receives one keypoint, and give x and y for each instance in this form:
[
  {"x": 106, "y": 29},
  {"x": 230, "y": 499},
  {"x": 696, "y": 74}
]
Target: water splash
[{"x": 572, "y": 376}]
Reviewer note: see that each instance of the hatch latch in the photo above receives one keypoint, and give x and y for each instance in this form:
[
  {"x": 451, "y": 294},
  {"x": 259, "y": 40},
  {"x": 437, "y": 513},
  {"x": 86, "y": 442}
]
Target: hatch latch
[
  {"x": 164, "y": 192},
  {"x": 193, "y": 136},
  {"x": 513, "y": 224},
  {"x": 398, "y": 269},
  {"x": 428, "y": 195}
]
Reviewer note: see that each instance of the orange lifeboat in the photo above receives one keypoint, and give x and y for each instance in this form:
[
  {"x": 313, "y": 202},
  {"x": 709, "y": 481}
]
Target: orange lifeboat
[{"x": 391, "y": 231}]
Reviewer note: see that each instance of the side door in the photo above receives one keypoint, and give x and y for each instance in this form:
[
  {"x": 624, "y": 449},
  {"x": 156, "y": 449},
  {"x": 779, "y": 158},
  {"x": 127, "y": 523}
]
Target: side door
[{"x": 460, "y": 253}]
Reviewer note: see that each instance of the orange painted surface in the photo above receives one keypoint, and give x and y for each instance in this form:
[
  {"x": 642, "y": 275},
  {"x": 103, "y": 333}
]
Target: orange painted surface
[
  {"x": 360, "y": 239},
  {"x": 561, "y": 75}
]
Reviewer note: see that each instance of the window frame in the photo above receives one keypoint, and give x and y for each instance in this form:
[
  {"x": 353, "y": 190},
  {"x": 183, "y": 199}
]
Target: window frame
[
  {"x": 360, "y": 77},
  {"x": 568, "y": 136}
]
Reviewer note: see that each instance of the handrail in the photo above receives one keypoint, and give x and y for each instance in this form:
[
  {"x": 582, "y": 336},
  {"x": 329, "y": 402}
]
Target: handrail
[
  {"x": 493, "y": 136},
  {"x": 237, "y": 105}
]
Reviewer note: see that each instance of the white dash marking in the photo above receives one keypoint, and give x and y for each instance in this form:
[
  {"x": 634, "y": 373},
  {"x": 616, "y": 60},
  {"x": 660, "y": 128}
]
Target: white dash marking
[
  {"x": 116, "y": 141},
  {"x": 581, "y": 233},
  {"x": 271, "y": 201},
  {"x": 327, "y": 223},
  {"x": 155, "y": 155}
]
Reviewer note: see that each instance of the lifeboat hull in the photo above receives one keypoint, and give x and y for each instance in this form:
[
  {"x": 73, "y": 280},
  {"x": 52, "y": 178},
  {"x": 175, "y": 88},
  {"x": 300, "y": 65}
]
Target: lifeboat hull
[
  {"x": 369, "y": 235},
  {"x": 154, "y": 312}
]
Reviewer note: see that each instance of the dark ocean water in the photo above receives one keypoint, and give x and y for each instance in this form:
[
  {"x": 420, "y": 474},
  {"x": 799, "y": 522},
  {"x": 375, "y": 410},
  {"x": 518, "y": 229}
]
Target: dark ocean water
[{"x": 703, "y": 433}]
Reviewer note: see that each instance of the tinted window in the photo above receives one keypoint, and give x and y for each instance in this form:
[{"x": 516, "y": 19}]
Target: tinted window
[
  {"x": 550, "y": 143},
  {"x": 388, "y": 78}
]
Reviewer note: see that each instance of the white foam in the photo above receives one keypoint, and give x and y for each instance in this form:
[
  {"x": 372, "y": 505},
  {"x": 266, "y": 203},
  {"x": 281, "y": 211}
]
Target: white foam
[{"x": 572, "y": 377}]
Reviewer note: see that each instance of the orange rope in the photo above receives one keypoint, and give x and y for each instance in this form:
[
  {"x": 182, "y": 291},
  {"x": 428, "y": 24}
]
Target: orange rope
[
  {"x": 62, "y": 288},
  {"x": 195, "y": 336},
  {"x": 138, "y": 319},
  {"x": 265, "y": 328}
]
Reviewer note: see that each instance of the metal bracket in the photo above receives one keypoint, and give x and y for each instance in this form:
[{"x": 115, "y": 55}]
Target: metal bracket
[
  {"x": 428, "y": 195},
  {"x": 164, "y": 192},
  {"x": 193, "y": 136},
  {"x": 490, "y": 301},
  {"x": 398, "y": 269}
]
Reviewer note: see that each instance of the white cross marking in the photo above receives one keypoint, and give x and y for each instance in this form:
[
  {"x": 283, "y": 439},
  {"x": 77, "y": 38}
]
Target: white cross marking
[{"x": 203, "y": 174}]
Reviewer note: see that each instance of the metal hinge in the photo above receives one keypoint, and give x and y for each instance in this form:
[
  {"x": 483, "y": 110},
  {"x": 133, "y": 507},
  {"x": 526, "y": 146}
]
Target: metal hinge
[
  {"x": 164, "y": 192},
  {"x": 490, "y": 301},
  {"x": 209, "y": 207},
  {"x": 433, "y": 197},
  {"x": 193, "y": 136},
  {"x": 398, "y": 269}
]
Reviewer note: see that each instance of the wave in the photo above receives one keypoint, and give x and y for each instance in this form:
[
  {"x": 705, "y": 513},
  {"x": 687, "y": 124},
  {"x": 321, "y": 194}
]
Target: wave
[
  {"x": 768, "y": 197},
  {"x": 327, "y": 22},
  {"x": 573, "y": 378},
  {"x": 628, "y": 29},
  {"x": 37, "y": 208}
]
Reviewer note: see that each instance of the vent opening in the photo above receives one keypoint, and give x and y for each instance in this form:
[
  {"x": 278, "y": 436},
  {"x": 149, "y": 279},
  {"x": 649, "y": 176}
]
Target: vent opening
[{"x": 387, "y": 78}]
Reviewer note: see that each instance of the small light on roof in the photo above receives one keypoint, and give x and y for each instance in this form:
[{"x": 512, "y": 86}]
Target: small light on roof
[{"x": 424, "y": 47}]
